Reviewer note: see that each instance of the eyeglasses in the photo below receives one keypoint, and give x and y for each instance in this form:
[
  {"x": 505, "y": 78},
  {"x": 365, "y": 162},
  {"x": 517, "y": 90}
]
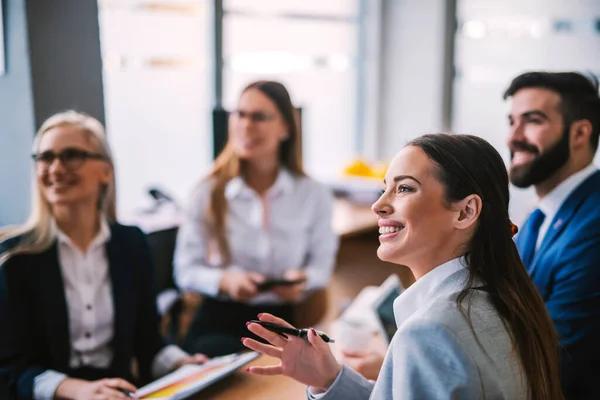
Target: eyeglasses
[
  {"x": 255, "y": 116},
  {"x": 71, "y": 158}
]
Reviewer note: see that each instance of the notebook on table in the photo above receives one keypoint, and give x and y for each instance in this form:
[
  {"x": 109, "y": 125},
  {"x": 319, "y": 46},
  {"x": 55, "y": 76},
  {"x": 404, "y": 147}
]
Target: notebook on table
[{"x": 191, "y": 379}]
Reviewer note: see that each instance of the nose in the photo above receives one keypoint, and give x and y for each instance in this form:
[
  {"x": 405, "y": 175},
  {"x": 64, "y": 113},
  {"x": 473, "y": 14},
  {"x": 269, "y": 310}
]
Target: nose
[
  {"x": 382, "y": 206},
  {"x": 56, "y": 167}
]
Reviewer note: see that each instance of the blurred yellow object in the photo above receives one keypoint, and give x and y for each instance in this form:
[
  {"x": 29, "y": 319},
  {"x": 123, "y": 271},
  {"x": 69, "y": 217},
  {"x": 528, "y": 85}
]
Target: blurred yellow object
[
  {"x": 362, "y": 169},
  {"x": 379, "y": 170},
  {"x": 358, "y": 168}
]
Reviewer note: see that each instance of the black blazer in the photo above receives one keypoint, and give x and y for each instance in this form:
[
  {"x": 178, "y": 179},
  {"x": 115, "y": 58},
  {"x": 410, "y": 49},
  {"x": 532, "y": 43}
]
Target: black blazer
[{"x": 34, "y": 324}]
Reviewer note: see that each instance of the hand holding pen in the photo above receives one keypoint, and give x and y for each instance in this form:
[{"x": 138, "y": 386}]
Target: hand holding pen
[
  {"x": 287, "y": 331},
  {"x": 309, "y": 361}
]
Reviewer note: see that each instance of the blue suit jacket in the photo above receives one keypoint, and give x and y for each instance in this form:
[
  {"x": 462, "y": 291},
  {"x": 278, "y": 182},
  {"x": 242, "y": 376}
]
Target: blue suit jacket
[
  {"x": 34, "y": 327},
  {"x": 566, "y": 272}
]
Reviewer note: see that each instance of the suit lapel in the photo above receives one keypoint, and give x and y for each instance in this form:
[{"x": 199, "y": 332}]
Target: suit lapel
[
  {"x": 564, "y": 215},
  {"x": 122, "y": 289},
  {"x": 54, "y": 305}
]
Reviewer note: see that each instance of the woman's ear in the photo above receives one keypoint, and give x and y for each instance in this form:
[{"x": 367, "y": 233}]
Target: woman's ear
[
  {"x": 469, "y": 210},
  {"x": 107, "y": 174}
]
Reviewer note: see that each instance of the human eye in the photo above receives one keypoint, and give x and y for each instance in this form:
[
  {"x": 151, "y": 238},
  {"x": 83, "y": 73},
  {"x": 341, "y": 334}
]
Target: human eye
[
  {"x": 535, "y": 120},
  {"x": 46, "y": 157},
  {"x": 73, "y": 154},
  {"x": 405, "y": 189}
]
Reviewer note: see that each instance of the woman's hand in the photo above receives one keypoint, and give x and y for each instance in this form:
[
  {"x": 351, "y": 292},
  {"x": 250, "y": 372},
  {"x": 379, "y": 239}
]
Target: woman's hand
[
  {"x": 310, "y": 362},
  {"x": 193, "y": 359},
  {"x": 104, "y": 389},
  {"x": 291, "y": 294},
  {"x": 240, "y": 285}
]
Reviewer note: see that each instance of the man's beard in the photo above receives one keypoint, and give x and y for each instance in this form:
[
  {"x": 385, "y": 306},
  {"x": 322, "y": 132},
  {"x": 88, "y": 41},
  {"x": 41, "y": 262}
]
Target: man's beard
[{"x": 543, "y": 166}]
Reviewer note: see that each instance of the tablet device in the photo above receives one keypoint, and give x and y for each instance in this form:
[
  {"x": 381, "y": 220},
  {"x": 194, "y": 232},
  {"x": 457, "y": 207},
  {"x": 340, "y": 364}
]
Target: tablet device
[
  {"x": 191, "y": 379},
  {"x": 383, "y": 307},
  {"x": 271, "y": 283}
]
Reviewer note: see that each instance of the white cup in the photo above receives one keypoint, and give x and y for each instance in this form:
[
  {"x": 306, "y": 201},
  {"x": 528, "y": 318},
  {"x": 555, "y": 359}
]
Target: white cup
[{"x": 353, "y": 335}]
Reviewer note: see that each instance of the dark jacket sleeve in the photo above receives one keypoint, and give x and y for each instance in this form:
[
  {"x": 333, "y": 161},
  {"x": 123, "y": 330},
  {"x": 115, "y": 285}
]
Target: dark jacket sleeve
[
  {"x": 147, "y": 339},
  {"x": 17, "y": 365},
  {"x": 574, "y": 306}
]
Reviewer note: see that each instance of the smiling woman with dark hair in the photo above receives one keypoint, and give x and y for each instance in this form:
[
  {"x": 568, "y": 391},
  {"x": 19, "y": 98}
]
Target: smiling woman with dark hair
[{"x": 472, "y": 325}]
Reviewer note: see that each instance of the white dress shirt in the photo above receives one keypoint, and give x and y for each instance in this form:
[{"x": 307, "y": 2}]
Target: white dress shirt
[
  {"x": 551, "y": 203},
  {"x": 288, "y": 228},
  {"x": 423, "y": 291},
  {"x": 88, "y": 293}
]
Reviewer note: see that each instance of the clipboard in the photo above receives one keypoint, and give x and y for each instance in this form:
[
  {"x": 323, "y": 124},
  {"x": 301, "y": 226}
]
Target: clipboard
[{"x": 190, "y": 379}]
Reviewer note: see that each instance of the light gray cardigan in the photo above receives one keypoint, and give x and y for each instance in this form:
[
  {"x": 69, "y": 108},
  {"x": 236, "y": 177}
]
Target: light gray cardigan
[{"x": 435, "y": 354}]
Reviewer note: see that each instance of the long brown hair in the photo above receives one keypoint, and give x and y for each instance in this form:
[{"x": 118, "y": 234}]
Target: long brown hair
[
  {"x": 228, "y": 165},
  {"x": 469, "y": 165}
]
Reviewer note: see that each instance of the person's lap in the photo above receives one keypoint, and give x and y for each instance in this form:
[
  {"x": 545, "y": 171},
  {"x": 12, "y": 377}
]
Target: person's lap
[{"x": 220, "y": 325}]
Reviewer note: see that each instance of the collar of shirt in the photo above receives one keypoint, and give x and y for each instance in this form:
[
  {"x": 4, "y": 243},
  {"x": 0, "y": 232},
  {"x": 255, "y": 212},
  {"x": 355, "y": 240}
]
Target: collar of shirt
[
  {"x": 101, "y": 238},
  {"x": 425, "y": 289},
  {"x": 237, "y": 186},
  {"x": 550, "y": 204}
]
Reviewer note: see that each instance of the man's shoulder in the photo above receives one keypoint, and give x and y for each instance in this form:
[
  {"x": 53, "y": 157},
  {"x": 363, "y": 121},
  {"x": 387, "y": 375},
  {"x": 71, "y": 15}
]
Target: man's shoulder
[{"x": 587, "y": 215}]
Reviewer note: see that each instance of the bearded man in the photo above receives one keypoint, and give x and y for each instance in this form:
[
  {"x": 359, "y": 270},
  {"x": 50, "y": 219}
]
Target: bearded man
[{"x": 554, "y": 130}]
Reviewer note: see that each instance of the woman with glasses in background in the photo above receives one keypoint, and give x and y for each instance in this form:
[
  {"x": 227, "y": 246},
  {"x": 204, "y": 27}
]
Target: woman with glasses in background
[
  {"x": 77, "y": 303},
  {"x": 256, "y": 217}
]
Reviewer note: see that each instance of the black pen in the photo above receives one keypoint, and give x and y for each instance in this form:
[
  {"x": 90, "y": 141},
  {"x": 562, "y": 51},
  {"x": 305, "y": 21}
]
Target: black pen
[{"x": 284, "y": 330}]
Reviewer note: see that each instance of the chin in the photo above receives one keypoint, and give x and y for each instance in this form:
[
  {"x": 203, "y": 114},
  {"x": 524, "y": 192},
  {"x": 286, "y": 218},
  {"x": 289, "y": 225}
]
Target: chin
[
  {"x": 62, "y": 199},
  {"x": 388, "y": 254},
  {"x": 54, "y": 201},
  {"x": 247, "y": 154}
]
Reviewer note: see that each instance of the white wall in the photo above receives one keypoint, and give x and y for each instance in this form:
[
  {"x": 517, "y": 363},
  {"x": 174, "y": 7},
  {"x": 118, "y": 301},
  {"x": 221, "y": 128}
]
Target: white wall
[
  {"x": 157, "y": 83},
  {"x": 506, "y": 38},
  {"x": 412, "y": 63},
  {"x": 412, "y": 71}
]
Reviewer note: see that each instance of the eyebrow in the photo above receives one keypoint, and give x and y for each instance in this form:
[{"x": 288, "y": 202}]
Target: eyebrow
[
  {"x": 532, "y": 113},
  {"x": 403, "y": 177}
]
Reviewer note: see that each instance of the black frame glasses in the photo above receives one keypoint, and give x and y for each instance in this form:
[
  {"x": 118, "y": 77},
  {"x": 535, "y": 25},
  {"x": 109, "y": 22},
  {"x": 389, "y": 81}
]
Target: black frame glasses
[
  {"x": 254, "y": 116},
  {"x": 71, "y": 158}
]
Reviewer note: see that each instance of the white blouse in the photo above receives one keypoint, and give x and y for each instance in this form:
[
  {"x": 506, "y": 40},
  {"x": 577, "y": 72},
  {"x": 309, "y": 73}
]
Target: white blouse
[{"x": 288, "y": 228}]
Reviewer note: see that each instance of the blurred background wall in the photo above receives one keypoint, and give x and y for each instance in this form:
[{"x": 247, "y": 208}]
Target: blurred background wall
[{"x": 369, "y": 75}]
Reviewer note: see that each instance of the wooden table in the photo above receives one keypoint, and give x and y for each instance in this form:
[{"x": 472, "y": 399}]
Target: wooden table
[{"x": 243, "y": 386}]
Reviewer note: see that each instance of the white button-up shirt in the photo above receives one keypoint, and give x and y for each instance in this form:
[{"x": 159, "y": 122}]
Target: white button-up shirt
[
  {"x": 88, "y": 292},
  {"x": 289, "y": 227},
  {"x": 551, "y": 203}
]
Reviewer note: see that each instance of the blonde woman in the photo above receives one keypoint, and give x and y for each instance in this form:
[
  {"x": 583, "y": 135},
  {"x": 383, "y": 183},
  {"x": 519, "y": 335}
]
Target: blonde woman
[
  {"x": 256, "y": 217},
  {"x": 77, "y": 303}
]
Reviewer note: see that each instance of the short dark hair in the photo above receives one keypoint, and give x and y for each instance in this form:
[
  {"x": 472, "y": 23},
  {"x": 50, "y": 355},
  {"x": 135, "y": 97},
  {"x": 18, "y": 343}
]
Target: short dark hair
[{"x": 578, "y": 95}]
